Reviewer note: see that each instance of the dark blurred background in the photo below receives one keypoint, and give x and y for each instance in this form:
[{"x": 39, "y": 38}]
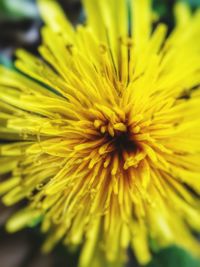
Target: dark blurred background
[{"x": 20, "y": 25}]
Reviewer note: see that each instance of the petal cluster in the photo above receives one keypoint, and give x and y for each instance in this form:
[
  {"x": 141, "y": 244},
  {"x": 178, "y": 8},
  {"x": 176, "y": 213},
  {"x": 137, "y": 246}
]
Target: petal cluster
[{"x": 102, "y": 131}]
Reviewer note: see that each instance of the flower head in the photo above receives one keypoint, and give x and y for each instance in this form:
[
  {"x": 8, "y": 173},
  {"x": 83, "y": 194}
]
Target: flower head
[{"x": 103, "y": 130}]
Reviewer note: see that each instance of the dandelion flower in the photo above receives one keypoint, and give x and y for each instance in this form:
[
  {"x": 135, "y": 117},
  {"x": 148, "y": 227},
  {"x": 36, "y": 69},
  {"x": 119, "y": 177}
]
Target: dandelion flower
[{"x": 103, "y": 131}]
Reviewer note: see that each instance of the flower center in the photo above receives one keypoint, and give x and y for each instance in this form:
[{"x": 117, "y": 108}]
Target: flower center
[
  {"x": 123, "y": 142},
  {"x": 118, "y": 140}
]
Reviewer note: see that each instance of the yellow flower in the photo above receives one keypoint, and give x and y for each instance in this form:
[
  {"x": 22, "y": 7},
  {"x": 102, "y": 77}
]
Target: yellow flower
[{"x": 103, "y": 131}]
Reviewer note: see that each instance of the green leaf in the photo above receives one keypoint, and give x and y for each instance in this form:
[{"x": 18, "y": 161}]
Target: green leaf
[
  {"x": 160, "y": 7},
  {"x": 5, "y": 61},
  {"x": 18, "y": 9},
  {"x": 193, "y": 3},
  {"x": 173, "y": 257}
]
